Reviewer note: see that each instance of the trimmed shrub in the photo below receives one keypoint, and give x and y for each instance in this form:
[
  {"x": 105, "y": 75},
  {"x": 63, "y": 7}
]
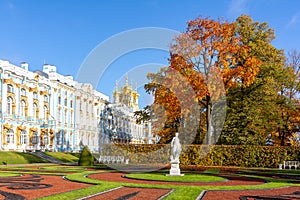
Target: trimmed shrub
[{"x": 86, "y": 158}]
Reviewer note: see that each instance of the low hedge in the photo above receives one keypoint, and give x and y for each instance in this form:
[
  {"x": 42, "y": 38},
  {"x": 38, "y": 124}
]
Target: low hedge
[{"x": 204, "y": 155}]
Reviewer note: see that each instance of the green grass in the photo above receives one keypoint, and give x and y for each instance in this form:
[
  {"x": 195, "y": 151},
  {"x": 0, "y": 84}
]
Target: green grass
[
  {"x": 65, "y": 157},
  {"x": 5, "y": 174},
  {"x": 185, "y": 178},
  {"x": 180, "y": 192},
  {"x": 19, "y": 158}
]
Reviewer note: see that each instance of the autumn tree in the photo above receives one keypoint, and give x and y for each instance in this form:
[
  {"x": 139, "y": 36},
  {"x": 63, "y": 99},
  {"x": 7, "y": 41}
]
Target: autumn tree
[
  {"x": 212, "y": 58},
  {"x": 252, "y": 112},
  {"x": 289, "y": 99}
]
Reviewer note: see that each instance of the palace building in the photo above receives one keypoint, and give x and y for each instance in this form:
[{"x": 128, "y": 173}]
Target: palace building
[{"x": 44, "y": 110}]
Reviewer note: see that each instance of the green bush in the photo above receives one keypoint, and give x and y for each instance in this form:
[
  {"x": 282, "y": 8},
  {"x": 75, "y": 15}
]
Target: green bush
[
  {"x": 86, "y": 158},
  {"x": 204, "y": 155}
]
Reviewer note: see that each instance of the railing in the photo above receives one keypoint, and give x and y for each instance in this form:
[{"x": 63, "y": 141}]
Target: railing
[{"x": 112, "y": 159}]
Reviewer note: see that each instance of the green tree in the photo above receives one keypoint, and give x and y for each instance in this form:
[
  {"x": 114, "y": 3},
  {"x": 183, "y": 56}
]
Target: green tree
[
  {"x": 252, "y": 112},
  {"x": 289, "y": 99},
  {"x": 86, "y": 158}
]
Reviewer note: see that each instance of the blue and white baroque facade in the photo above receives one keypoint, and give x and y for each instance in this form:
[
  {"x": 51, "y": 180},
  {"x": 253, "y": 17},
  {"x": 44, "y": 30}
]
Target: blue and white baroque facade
[{"x": 44, "y": 110}]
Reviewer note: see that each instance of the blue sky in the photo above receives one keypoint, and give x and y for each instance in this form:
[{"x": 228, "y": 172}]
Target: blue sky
[{"x": 64, "y": 32}]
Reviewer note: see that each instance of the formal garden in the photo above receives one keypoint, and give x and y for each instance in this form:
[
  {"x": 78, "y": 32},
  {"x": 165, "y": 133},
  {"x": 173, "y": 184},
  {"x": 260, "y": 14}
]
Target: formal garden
[
  {"x": 82, "y": 176},
  {"x": 246, "y": 147}
]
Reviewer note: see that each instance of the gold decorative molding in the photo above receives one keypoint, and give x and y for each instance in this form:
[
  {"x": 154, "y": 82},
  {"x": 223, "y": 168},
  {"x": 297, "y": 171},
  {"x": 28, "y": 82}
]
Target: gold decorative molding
[
  {"x": 18, "y": 85},
  {"x": 35, "y": 89},
  {"x": 36, "y": 77},
  {"x": 24, "y": 86},
  {"x": 36, "y": 102},
  {"x": 7, "y": 126},
  {"x": 44, "y": 92},
  {"x": 24, "y": 98},
  {"x": 55, "y": 89},
  {"x": 46, "y": 104},
  {"x": 8, "y": 81},
  {"x": 12, "y": 95}
]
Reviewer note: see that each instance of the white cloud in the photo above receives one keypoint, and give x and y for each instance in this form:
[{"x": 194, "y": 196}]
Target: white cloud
[
  {"x": 237, "y": 7},
  {"x": 293, "y": 20}
]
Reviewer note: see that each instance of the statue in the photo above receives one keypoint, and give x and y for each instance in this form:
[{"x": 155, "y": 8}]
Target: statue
[
  {"x": 269, "y": 141},
  {"x": 175, "y": 148},
  {"x": 175, "y": 154}
]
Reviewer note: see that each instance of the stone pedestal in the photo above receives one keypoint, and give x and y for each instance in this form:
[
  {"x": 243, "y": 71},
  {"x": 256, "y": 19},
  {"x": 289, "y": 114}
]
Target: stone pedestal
[{"x": 175, "y": 170}]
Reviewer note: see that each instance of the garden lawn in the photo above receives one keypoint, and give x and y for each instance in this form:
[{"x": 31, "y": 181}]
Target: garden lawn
[
  {"x": 65, "y": 157},
  {"x": 185, "y": 178},
  {"x": 19, "y": 158}
]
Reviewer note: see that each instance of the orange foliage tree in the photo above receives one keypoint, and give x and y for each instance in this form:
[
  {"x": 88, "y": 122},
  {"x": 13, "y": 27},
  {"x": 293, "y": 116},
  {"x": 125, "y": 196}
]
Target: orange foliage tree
[{"x": 212, "y": 58}]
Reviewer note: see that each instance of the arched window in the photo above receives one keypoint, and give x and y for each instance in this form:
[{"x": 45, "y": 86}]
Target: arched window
[
  {"x": 45, "y": 98},
  {"x": 66, "y": 102},
  {"x": 35, "y": 138},
  {"x": 10, "y": 88},
  {"x": 9, "y": 105},
  {"x": 23, "y": 137},
  {"x": 10, "y": 136},
  {"x": 46, "y": 139},
  {"x": 58, "y": 138},
  {"x": 66, "y": 116},
  {"x": 22, "y": 109},
  {"x": 45, "y": 110},
  {"x": 23, "y": 92},
  {"x": 65, "y": 139},
  {"x": 59, "y": 115},
  {"x": 34, "y": 111},
  {"x": 35, "y": 95}
]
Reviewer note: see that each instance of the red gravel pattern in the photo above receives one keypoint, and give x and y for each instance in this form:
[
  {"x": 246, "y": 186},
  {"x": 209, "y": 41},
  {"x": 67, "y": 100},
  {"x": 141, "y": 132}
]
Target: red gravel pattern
[
  {"x": 270, "y": 194},
  {"x": 233, "y": 180},
  {"x": 59, "y": 185},
  {"x": 142, "y": 193}
]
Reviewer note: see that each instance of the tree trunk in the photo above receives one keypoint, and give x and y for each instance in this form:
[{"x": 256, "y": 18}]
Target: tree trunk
[{"x": 208, "y": 121}]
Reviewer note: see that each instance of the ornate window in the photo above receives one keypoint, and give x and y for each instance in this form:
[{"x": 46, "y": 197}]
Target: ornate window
[
  {"x": 59, "y": 115},
  {"x": 45, "y": 110},
  {"x": 45, "y": 98},
  {"x": 9, "y": 106},
  {"x": 35, "y": 138},
  {"x": 46, "y": 139},
  {"x": 66, "y": 102},
  {"x": 23, "y": 137},
  {"x": 22, "y": 109},
  {"x": 66, "y": 116},
  {"x": 35, "y": 95},
  {"x": 10, "y": 88},
  {"x": 65, "y": 139},
  {"x": 58, "y": 138},
  {"x": 59, "y": 100},
  {"x": 23, "y": 92},
  {"x": 10, "y": 136}
]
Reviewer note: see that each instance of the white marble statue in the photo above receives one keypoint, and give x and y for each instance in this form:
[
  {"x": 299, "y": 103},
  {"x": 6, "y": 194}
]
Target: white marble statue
[{"x": 175, "y": 149}]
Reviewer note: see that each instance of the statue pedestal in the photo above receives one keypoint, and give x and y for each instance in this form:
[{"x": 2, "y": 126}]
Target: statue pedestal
[{"x": 175, "y": 170}]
